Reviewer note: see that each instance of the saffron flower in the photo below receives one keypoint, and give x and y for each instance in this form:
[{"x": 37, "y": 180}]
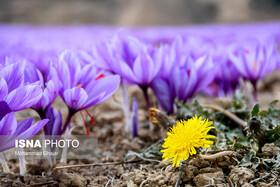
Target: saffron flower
[
  {"x": 17, "y": 94},
  {"x": 184, "y": 81},
  {"x": 136, "y": 62},
  {"x": 226, "y": 80},
  {"x": 10, "y": 130},
  {"x": 254, "y": 61},
  {"x": 127, "y": 56},
  {"x": 82, "y": 86},
  {"x": 49, "y": 85},
  {"x": 185, "y": 137}
]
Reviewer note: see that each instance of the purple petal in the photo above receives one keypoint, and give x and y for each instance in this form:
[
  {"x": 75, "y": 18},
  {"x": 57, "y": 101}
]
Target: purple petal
[
  {"x": 49, "y": 95},
  {"x": 32, "y": 74},
  {"x": 4, "y": 109},
  {"x": 24, "y": 97},
  {"x": 164, "y": 94},
  {"x": 23, "y": 126},
  {"x": 134, "y": 123},
  {"x": 14, "y": 75},
  {"x": 102, "y": 89},
  {"x": 54, "y": 126},
  {"x": 57, "y": 125},
  {"x": 8, "y": 124},
  {"x": 3, "y": 89},
  {"x": 25, "y": 135},
  {"x": 75, "y": 98},
  {"x": 143, "y": 69},
  {"x": 69, "y": 69},
  {"x": 34, "y": 129}
]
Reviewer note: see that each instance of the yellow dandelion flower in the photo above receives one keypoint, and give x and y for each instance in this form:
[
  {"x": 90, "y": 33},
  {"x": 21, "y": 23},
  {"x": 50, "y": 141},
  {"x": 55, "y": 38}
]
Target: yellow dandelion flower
[{"x": 183, "y": 138}]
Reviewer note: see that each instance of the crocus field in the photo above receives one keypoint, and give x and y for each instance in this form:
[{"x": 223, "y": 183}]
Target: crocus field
[{"x": 169, "y": 106}]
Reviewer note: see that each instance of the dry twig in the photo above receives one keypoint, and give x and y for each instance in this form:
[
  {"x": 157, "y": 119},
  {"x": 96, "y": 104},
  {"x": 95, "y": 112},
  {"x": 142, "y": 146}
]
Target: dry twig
[{"x": 228, "y": 114}]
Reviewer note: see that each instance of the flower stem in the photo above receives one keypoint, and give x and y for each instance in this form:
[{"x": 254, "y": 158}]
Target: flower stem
[
  {"x": 255, "y": 91},
  {"x": 4, "y": 164},
  {"x": 68, "y": 120},
  {"x": 46, "y": 147},
  {"x": 244, "y": 87},
  {"x": 146, "y": 95},
  {"x": 42, "y": 114},
  {"x": 145, "y": 92},
  {"x": 22, "y": 162},
  {"x": 63, "y": 158},
  {"x": 125, "y": 107},
  {"x": 180, "y": 175}
]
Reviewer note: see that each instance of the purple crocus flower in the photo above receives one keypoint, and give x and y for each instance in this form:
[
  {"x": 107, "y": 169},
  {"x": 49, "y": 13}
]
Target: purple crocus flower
[
  {"x": 10, "y": 130},
  {"x": 135, "y": 61},
  {"x": 49, "y": 85},
  {"x": 181, "y": 75},
  {"x": 225, "y": 82},
  {"x": 184, "y": 82},
  {"x": 254, "y": 61},
  {"x": 82, "y": 86},
  {"x": 13, "y": 90}
]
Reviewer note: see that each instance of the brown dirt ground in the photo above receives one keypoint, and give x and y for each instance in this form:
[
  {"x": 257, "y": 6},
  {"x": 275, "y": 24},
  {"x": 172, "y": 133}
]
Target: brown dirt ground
[{"x": 114, "y": 143}]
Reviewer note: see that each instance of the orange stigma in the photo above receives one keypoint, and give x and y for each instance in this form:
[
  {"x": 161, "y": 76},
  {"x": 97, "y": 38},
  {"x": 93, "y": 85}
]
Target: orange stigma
[
  {"x": 99, "y": 76},
  {"x": 79, "y": 85},
  {"x": 255, "y": 67}
]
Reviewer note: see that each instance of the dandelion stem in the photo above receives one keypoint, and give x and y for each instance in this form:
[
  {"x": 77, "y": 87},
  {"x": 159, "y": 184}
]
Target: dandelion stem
[
  {"x": 4, "y": 164},
  {"x": 180, "y": 176}
]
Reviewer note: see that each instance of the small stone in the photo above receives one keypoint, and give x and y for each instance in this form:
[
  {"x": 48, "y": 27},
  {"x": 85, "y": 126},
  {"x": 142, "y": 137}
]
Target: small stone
[
  {"x": 68, "y": 179},
  {"x": 270, "y": 149},
  {"x": 241, "y": 175},
  {"x": 189, "y": 172},
  {"x": 247, "y": 185},
  {"x": 199, "y": 162}
]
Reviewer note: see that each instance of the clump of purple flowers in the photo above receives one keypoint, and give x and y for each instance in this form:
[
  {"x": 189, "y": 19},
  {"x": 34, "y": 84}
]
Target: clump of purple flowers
[{"x": 182, "y": 75}]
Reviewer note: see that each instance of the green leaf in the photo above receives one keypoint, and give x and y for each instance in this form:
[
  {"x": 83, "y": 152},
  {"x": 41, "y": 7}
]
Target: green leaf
[
  {"x": 256, "y": 110},
  {"x": 272, "y": 103}
]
